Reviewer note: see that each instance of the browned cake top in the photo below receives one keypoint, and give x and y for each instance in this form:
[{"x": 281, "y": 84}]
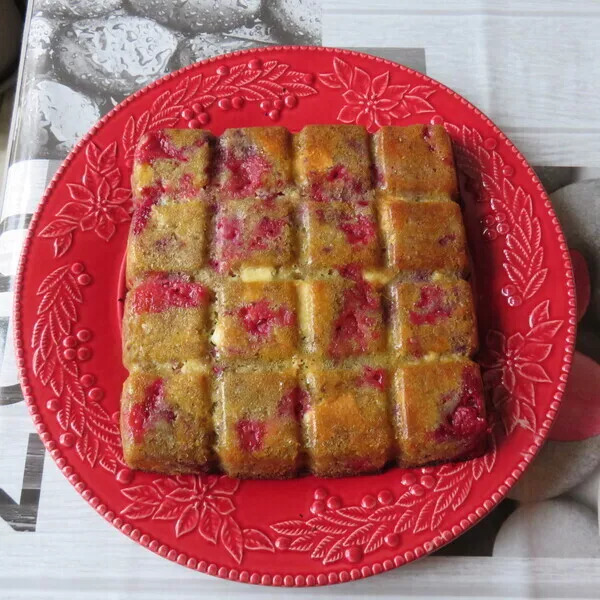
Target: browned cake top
[{"x": 308, "y": 270}]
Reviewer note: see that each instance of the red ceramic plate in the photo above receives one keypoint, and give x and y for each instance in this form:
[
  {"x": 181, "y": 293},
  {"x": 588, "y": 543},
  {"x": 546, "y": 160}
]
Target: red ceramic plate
[{"x": 305, "y": 531}]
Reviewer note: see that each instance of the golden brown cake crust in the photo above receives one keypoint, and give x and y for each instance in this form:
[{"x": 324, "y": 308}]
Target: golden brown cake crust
[
  {"x": 297, "y": 302},
  {"x": 424, "y": 236},
  {"x": 415, "y": 161},
  {"x": 347, "y": 424},
  {"x": 258, "y": 429}
]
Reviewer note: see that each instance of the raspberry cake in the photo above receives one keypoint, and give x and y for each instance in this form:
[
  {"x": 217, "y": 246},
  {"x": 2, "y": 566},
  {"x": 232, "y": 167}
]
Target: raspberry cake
[{"x": 298, "y": 303}]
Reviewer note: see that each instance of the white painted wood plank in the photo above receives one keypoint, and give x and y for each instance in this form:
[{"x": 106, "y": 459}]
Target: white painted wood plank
[
  {"x": 510, "y": 8},
  {"x": 534, "y": 76}
]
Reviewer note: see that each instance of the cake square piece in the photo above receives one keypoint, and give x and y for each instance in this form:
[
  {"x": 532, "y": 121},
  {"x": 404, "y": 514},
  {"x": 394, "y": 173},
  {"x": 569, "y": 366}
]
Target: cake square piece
[
  {"x": 424, "y": 236},
  {"x": 165, "y": 321},
  {"x": 339, "y": 233},
  {"x": 254, "y": 161},
  {"x": 166, "y": 422},
  {"x": 168, "y": 237},
  {"x": 342, "y": 317},
  {"x": 255, "y": 233},
  {"x": 347, "y": 423},
  {"x": 332, "y": 162},
  {"x": 434, "y": 317},
  {"x": 171, "y": 165},
  {"x": 257, "y": 320},
  {"x": 297, "y": 302},
  {"x": 257, "y": 418},
  {"x": 439, "y": 412},
  {"x": 415, "y": 162}
]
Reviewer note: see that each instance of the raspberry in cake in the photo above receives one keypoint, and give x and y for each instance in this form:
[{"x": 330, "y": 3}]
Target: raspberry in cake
[
  {"x": 254, "y": 161},
  {"x": 253, "y": 233},
  {"x": 343, "y": 317},
  {"x": 415, "y": 162},
  {"x": 332, "y": 162},
  {"x": 165, "y": 321},
  {"x": 168, "y": 237},
  {"x": 347, "y": 425},
  {"x": 339, "y": 233},
  {"x": 258, "y": 423},
  {"x": 439, "y": 411},
  {"x": 257, "y": 320},
  {"x": 166, "y": 422},
  {"x": 171, "y": 165},
  {"x": 424, "y": 236},
  {"x": 433, "y": 317}
]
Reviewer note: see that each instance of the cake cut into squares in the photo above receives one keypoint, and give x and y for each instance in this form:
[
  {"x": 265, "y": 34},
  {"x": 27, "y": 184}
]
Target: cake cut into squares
[
  {"x": 342, "y": 317},
  {"x": 257, "y": 419},
  {"x": 254, "y": 161},
  {"x": 168, "y": 237},
  {"x": 415, "y": 162},
  {"x": 332, "y": 162},
  {"x": 171, "y": 165},
  {"x": 424, "y": 236},
  {"x": 433, "y": 317},
  {"x": 339, "y": 233},
  {"x": 166, "y": 422},
  {"x": 439, "y": 412},
  {"x": 165, "y": 321},
  {"x": 257, "y": 320},
  {"x": 341, "y": 329},
  {"x": 347, "y": 425},
  {"x": 254, "y": 233}
]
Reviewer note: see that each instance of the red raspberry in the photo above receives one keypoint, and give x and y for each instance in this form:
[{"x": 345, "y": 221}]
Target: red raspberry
[
  {"x": 144, "y": 414},
  {"x": 162, "y": 291},
  {"x": 432, "y": 306},
  {"x": 375, "y": 377},
  {"x": 250, "y": 434}
]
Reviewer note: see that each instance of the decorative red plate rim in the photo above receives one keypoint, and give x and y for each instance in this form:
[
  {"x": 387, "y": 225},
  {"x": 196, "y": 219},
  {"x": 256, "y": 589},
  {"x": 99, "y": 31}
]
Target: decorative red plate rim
[{"x": 319, "y": 575}]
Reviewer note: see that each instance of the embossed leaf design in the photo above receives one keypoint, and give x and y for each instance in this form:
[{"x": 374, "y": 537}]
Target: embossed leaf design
[
  {"x": 488, "y": 178},
  {"x": 255, "y": 539},
  {"x": 370, "y": 100},
  {"x": 197, "y": 505},
  {"x": 232, "y": 538},
  {"x": 187, "y": 521},
  {"x": 169, "y": 510},
  {"x": 143, "y": 494},
  {"x": 270, "y": 81},
  {"x": 328, "y": 535},
  {"x": 97, "y": 436},
  {"x": 98, "y": 204},
  {"x": 210, "y": 524},
  {"x": 514, "y": 363}
]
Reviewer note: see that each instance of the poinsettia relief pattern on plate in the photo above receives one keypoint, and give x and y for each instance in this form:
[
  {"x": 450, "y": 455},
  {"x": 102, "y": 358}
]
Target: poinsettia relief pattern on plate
[{"x": 303, "y": 531}]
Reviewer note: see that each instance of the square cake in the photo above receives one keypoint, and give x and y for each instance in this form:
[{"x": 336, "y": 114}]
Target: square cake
[
  {"x": 257, "y": 320},
  {"x": 253, "y": 233},
  {"x": 254, "y": 161},
  {"x": 257, "y": 420},
  {"x": 424, "y": 236},
  {"x": 167, "y": 423},
  {"x": 171, "y": 165},
  {"x": 167, "y": 237},
  {"x": 439, "y": 411},
  {"x": 298, "y": 303},
  {"x": 332, "y": 162},
  {"x": 165, "y": 321},
  {"x": 347, "y": 422},
  {"x": 415, "y": 162},
  {"x": 340, "y": 233},
  {"x": 437, "y": 317},
  {"x": 342, "y": 317}
]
